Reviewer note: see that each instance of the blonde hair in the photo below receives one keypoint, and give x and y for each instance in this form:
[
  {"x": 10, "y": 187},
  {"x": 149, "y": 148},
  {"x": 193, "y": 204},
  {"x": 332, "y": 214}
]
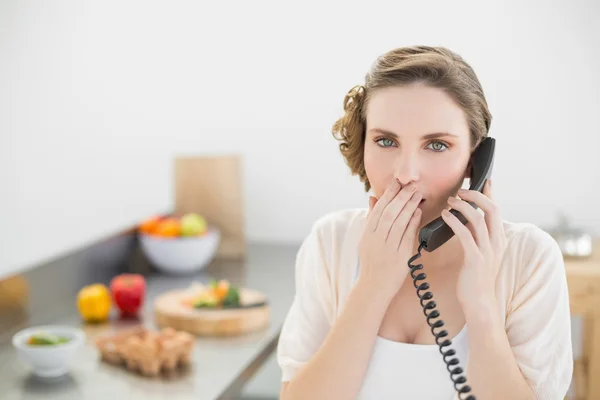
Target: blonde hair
[{"x": 435, "y": 66}]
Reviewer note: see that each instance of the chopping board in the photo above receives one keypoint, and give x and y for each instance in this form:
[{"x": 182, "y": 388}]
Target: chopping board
[{"x": 253, "y": 315}]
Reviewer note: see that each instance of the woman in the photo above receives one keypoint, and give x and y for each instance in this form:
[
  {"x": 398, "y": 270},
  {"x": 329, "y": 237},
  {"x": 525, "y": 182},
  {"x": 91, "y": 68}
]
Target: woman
[{"x": 356, "y": 328}]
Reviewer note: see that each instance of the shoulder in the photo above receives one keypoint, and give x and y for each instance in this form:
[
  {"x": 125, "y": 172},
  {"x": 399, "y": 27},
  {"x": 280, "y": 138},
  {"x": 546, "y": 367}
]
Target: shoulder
[
  {"x": 531, "y": 255},
  {"x": 528, "y": 242},
  {"x": 340, "y": 222},
  {"x": 339, "y": 230},
  {"x": 527, "y": 234},
  {"x": 331, "y": 246},
  {"x": 333, "y": 231}
]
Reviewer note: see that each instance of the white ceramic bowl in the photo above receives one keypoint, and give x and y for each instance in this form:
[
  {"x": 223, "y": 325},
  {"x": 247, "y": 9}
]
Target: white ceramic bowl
[
  {"x": 181, "y": 255},
  {"x": 49, "y": 361}
]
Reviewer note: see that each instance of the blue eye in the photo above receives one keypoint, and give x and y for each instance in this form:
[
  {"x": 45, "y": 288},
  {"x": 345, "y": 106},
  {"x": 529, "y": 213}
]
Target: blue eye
[
  {"x": 439, "y": 148},
  {"x": 384, "y": 142}
]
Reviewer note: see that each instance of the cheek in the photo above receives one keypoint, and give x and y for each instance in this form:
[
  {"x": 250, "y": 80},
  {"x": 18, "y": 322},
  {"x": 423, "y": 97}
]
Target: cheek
[
  {"x": 379, "y": 172},
  {"x": 444, "y": 180},
  {"x": 440, "y": 177}
]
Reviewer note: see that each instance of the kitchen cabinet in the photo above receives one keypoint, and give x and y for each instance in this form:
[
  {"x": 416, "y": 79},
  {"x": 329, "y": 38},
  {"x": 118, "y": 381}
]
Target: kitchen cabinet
[{"x": 583, "y": 277}]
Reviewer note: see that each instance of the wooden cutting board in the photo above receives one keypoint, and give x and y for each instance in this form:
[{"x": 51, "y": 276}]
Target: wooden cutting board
[
  {"x": 169, "y": 311},
  {"x": 212, "y": 186}
]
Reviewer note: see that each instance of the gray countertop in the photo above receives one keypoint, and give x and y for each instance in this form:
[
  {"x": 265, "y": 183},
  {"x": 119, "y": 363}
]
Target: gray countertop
[{"x": 220, "y": 366}]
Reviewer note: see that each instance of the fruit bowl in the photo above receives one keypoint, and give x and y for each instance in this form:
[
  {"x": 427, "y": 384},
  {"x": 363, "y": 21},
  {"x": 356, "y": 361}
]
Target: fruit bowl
[
  {"x": 179, "y": 244},
  {"x": 181, "y": 254}
]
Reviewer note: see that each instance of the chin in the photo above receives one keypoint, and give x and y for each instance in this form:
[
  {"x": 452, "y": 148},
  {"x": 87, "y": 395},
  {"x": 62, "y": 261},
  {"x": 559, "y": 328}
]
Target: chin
[{"x": 429, "y": 214}]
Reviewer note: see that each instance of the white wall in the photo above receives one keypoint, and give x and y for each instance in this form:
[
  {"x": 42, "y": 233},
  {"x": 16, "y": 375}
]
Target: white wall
[{"x": 96, "y": 98}]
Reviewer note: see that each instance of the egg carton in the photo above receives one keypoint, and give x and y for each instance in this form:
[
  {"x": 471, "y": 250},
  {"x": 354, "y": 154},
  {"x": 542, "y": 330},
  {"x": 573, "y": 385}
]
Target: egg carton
[{"x": 147, "y": 352}]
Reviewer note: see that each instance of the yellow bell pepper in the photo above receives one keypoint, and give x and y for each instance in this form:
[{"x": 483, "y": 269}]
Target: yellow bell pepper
[{"x": 94, "y": 302}]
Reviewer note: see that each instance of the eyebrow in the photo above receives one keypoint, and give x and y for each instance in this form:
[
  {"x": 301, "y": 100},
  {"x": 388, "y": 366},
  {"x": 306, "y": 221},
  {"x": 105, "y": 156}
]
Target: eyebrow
[{"x": 428, "y": 136}]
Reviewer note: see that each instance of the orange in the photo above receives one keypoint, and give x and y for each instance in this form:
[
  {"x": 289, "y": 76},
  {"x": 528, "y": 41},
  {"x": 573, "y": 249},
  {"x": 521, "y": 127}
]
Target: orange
[
  {"x": 149, "y": 226},
  {"x": 168, "y": 227},
  {"x": 222, "y": 289}
]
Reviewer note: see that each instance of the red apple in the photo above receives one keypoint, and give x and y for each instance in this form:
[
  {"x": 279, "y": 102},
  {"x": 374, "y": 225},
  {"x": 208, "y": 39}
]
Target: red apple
[{"x": 128, "y": 291}]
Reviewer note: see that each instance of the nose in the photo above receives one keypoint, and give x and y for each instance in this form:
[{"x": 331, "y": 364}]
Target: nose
[{"x": 406, "y": 170}]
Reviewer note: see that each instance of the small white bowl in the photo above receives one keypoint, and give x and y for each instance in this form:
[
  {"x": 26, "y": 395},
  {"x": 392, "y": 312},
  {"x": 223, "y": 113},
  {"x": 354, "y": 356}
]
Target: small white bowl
[
  {"x": 49, "y": 361},
  {"x": 181, "y": 255}
]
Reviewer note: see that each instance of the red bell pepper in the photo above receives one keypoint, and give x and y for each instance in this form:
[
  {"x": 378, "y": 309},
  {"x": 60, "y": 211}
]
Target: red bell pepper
[{"x": 128, "y": 291}]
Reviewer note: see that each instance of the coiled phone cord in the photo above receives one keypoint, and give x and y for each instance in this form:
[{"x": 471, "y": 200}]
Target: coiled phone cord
[{"x": 433, "y": 314}]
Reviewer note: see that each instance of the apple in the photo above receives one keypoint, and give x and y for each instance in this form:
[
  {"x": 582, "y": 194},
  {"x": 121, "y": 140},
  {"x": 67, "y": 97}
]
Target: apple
[
  {"x": 193, "y": 224},
  {"x": 128, "y": 292}
]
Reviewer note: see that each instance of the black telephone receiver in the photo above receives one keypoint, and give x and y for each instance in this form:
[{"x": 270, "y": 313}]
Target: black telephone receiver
[
  {"x": 432, "y": 236},
  {"x": 437, "y": 232}
]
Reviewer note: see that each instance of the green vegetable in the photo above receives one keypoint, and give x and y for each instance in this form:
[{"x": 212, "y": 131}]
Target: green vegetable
[
  {"x": 46, "y": 339},
  {"x": 206, "y": 302},
  {"x": 232, "y": 299}
]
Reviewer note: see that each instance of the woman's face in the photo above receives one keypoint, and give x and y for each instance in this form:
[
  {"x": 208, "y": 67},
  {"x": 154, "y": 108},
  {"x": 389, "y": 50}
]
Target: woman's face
[{"x": 417, "y": 134}]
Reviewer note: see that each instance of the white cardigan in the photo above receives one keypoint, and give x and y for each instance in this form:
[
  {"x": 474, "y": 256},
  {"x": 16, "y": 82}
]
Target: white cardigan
[{"x": 531, "y": 289}]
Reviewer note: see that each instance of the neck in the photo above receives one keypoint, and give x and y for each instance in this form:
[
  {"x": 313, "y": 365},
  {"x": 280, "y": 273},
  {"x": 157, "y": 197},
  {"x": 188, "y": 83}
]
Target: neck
[{"x": 444, "y": 256}]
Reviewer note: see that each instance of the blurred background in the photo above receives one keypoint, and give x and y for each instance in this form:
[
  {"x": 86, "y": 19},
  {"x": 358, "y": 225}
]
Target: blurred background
[{"x": 98, "y": 98}]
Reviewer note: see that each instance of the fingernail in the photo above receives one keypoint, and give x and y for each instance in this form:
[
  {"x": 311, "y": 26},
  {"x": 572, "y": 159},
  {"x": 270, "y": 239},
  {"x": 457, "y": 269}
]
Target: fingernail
[{"x": 462, "y": 191}]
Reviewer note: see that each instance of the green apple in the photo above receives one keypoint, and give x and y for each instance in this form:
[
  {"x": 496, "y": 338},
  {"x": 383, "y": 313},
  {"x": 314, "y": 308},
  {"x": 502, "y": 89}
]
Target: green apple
[{"x": 193, "y": 224}]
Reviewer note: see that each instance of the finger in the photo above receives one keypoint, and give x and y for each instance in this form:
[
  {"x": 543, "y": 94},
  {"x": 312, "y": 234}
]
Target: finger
[
  {"x": 474, "y": 219},
  {"x": 461, "y": 231},
  {"x": 407, "y": 242},
  {"x": 490, "y": 209},
  {"x": 387, "y": 196},
  {"x": 493, "y": 218},
  {"x": 399, "y": 224},
  {"x": 392, "y": 211},
  {"x": 487, "y": 189},
  {"x": 372, "y": 202}
]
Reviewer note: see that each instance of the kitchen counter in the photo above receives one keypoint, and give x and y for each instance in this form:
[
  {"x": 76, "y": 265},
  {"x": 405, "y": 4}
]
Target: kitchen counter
[{"x": 220, "y": 366}]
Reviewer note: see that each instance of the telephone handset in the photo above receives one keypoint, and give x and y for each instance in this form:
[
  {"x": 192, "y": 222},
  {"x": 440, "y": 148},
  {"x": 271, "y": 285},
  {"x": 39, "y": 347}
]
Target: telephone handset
[
  {"x": 437, "y": 232},
  {"x": 432, "y": 236}
]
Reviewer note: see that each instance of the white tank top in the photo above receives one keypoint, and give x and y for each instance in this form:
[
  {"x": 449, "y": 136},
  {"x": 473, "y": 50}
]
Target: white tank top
[{"x": 399, "y": 371}]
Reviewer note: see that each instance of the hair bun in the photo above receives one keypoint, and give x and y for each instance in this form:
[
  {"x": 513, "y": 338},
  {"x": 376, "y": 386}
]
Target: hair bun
[{"x": 354, "y": 98}]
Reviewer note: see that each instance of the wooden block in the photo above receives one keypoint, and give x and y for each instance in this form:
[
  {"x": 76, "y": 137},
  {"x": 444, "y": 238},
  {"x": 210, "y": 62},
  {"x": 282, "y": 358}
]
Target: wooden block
[
  {"x": 212, "y": 186},
  {"x": 14, "y": 293}
]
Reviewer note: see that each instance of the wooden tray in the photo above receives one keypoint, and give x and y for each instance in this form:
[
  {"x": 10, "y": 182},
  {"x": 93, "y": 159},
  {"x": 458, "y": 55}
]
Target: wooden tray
[{"x": 252, "y": 316}]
